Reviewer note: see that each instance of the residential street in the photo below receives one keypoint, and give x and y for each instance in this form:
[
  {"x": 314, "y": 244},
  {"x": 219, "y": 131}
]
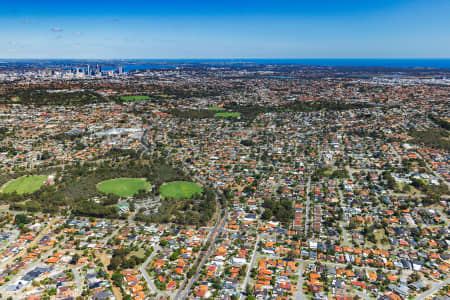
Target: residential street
[
  {"x": 436, "y": 287},
  {"x": 251, "y": 265}
]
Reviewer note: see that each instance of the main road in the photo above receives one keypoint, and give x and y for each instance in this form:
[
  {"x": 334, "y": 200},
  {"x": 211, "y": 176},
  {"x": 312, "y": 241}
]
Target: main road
[
  {"x": 183, "y": 291},
  {"x": 308, "y": 202}
]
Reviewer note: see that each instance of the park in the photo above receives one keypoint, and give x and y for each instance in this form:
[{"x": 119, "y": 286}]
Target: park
[
  {"x": 180, "y": 189},
  {"x": 24, "y": 184},
  {"x": 123, "y": 187}
]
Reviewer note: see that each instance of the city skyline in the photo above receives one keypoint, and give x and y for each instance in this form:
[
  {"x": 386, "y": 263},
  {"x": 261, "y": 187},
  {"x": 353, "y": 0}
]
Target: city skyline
[{"x": 199, "y": 29}]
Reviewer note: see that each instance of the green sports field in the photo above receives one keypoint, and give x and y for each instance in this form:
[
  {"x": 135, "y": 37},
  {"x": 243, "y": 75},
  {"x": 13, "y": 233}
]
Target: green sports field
[
  {"x": 227, "y": 115},
  {"x": 180, "y": 189},
  {"x": 135, "y": 98},
  {"x": 216, "y": 108},
  {"x": 123, "y": 187},
  {"x": 25, "y": 184}
]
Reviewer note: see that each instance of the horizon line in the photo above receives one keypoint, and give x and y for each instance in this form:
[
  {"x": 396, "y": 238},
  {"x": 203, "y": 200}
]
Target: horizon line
[{"x": 229, "y": 58}]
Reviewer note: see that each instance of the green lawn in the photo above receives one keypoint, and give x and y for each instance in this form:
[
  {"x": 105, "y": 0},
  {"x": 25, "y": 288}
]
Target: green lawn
[
  {"x": 227, "y": 115},
  {"x": 123, "y": 187},
  {"x": 135, "y": 98},
  {"x": 328, "y": 172},
  {"x": 25, "y": 184},
  {"x": 216, "y": 108},
  {"x": 180, "y": 189}
]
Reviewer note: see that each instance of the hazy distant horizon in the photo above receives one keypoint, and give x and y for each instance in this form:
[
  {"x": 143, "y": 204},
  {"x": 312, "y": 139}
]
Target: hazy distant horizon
[
  {"x": 228, "y": 58},
  {"x": 148, "y": 63}
]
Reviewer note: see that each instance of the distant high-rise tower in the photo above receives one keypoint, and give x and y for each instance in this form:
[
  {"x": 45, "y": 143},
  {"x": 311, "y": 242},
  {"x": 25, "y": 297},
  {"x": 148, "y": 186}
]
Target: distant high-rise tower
[
  {"x": 80, "y": 73},
  {"x": 120, "y": 69},
  {"x": 89, "y": 70}
]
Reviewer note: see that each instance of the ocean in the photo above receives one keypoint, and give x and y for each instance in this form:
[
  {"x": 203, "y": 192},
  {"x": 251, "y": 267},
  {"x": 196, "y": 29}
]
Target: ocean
[{"x": 144, "y": 64}]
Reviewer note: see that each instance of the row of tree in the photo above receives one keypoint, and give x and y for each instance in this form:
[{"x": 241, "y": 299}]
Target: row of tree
[
  {"x": 40, "y": 97},
  {"x": 249, "y": 112}
]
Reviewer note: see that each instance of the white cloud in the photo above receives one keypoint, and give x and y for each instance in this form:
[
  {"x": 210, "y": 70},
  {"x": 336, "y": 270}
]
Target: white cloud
[{"x": 14, "y": 45}]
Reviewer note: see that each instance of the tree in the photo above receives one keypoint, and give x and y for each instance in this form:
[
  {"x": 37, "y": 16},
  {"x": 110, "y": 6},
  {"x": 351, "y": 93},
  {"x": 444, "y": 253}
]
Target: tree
[
  {"x": 267, "y": 214},
  {"x": 249, "y": 290},
  {"x": 52, "y": 291},
  {"x": 20, "y": 219},
  {"x": 191, "y": 271},
  {"x": 291, "y": 255},
  {"x": 75, "y": 258},
  {"x": 117, "y": 278},
  {"x": 45, "y": 155},
  {"x": 114, "y": 263},
  {"x": 243, "y": 270}
]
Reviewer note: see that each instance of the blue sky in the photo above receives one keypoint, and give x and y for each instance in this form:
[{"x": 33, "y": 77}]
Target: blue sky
[{"x": 225, "y": 29}]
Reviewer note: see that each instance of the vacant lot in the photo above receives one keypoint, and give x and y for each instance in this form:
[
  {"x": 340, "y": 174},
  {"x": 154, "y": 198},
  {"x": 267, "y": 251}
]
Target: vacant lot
[
  {"x": 25, "y": 184},
  {"x": 180, "y": 189},
  {"x": 123, "y": 187}
]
